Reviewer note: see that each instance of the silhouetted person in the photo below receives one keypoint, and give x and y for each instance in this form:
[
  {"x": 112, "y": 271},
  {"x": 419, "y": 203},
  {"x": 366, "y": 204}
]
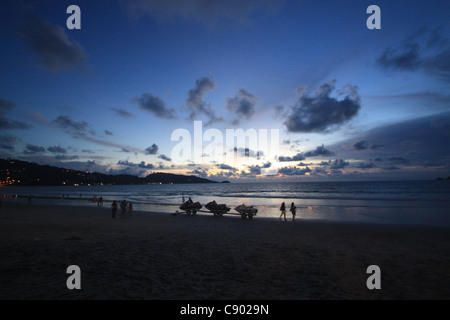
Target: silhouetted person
[
  {"x": 283, "y": 211},
  {"x": 293, "y": 211},
  {"x": 114, "y": 209},
  {"x": 190, "y": 201},
  {"x": 123, "y": 208},
  {"x": 100, "y": 202},
  {"x": 130, "y": 209}
]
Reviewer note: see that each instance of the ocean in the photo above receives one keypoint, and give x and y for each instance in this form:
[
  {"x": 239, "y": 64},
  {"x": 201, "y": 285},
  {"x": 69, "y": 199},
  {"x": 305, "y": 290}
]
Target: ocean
[{"x": 389, "y": 202}]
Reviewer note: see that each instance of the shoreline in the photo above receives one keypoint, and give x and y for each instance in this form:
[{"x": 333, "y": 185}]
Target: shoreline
[
  {"x": 383, "y": 213},
  {"x": 163, "y": 257}
]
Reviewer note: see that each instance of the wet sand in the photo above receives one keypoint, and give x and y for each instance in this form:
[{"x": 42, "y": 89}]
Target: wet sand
[{"x": 159, "y": 256}]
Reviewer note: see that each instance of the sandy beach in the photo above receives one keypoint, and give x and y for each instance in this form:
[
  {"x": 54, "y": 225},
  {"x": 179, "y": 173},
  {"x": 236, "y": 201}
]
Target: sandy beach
[{"x": 159, "y": 256}]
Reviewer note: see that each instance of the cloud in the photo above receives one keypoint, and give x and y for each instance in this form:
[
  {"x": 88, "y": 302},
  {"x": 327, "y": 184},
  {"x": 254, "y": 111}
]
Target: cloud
[
  {"x": 403, "y": 58},
  {"x": 155, "y": 105},
  {"x": 67, "y": 124},
  {"x": 109, "y": 133},
  {"x": 226, "y": 167},
  {"x": 164, "y": 157},
  {"x": 376, "y": 146},
  {"x": 294, "y": 171},
  {"x": 206, "y": 12},
  {"x": 339, "y": 164},
  {"x": 320, "y": 151},
  {"x": 6, "y": 124},
  {"x": 32, "y": 149},
  {"x": 196, "y": 104},
  {"x": 323, "y": 113},
  {"x": 65, "y": 158},
  {"x": 56, "y": 149},
  {"x": 364, "y": 145},
  {"x": 368, "y": 165},
  {"x": 297, "y": 157},
  {"x": 7, "y": 142},
  {"x": 141, "y": 165},
  {"x": 122, "y": 113},
  {"x": 53, "y": 47},
  {"x": 405, "y": 145},
  {"x": 361, "y": 145},
  {"x": 426, "y": 50},
  {"x": 152, "y": 150},
  {"x": 82, "y": 130},
  {"x": 6, "y": 106},
  {"x": 242, "y": 105}
]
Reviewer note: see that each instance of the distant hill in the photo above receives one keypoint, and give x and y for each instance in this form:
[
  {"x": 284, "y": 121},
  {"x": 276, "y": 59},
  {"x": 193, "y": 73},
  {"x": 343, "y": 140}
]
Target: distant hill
[
  {"x": 22, "y": 173},
  {"x": 440, "y": 178}
]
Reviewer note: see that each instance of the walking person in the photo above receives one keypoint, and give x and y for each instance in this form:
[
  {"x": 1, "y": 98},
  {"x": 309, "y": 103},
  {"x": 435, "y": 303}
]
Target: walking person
[
  {"x": 283, "y": 211},
  {"x": 293, "y": 211},
  {"x": 123, "y": 208},
  {"x": 114, "y": 209},
  {"x": 130, "y": 209},
  {"x": 100, "y": 202}
]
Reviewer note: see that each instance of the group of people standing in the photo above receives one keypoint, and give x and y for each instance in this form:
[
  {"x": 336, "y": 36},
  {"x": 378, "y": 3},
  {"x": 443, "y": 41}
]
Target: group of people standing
[
  {"x": 126, "y": 209},
  {"x": 283, "y": 211}
]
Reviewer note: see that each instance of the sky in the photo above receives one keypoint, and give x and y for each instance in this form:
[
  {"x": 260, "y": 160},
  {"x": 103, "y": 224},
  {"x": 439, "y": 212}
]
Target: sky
[{"x": 155, "y": 85}]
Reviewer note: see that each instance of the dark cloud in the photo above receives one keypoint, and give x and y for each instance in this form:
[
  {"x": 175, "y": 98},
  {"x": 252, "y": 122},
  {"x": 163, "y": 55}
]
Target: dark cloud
[
  {"x": 376, "y": 146},
  {"x": 6, "y": 106},
  {"x": 226, "y": 167},
  {"x": 52, "y": 45},
  {"x": 361, "y": 145},
  {"x": 56, "y": 149},
  {"x": 323, "y": 113},
  {"x": 152, "y": 150},
  {"x": 66, "y": 123},
  {"x": 403, "y": 58},
  {"x": 297, "y": 157},
  {"x": 7, "y": 142},
  {"x": 294, "y": 171},
  {"x": 368, "y": 165},
  {"x": 6, "y": 124},
  {"x": 122, "y": 113},
  {"x": 196, "y": 104},
  {"x": 267, "y": 165},
  {"x": 199, "y": 173},
  {"x": 155, "y": 105},
  {"x": 254, "y": 170},
  {"x": 164, "y": 157},
  {"x": 406, "y": 144},
  {"x": 242, "y": 105},
  {"x": 141, "y": 165},
  {"x": 83, "y": 131},
  {"x": 32, "y": 149},
  {"x": 339, "y": 164},
  {"x": 426, "y": 50},
  {"x": 109, "y": 133},
  {"x": 65, "y": 158},
  {"x": 364, "y": 145},
  {"x": 320, "y": 151}
]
